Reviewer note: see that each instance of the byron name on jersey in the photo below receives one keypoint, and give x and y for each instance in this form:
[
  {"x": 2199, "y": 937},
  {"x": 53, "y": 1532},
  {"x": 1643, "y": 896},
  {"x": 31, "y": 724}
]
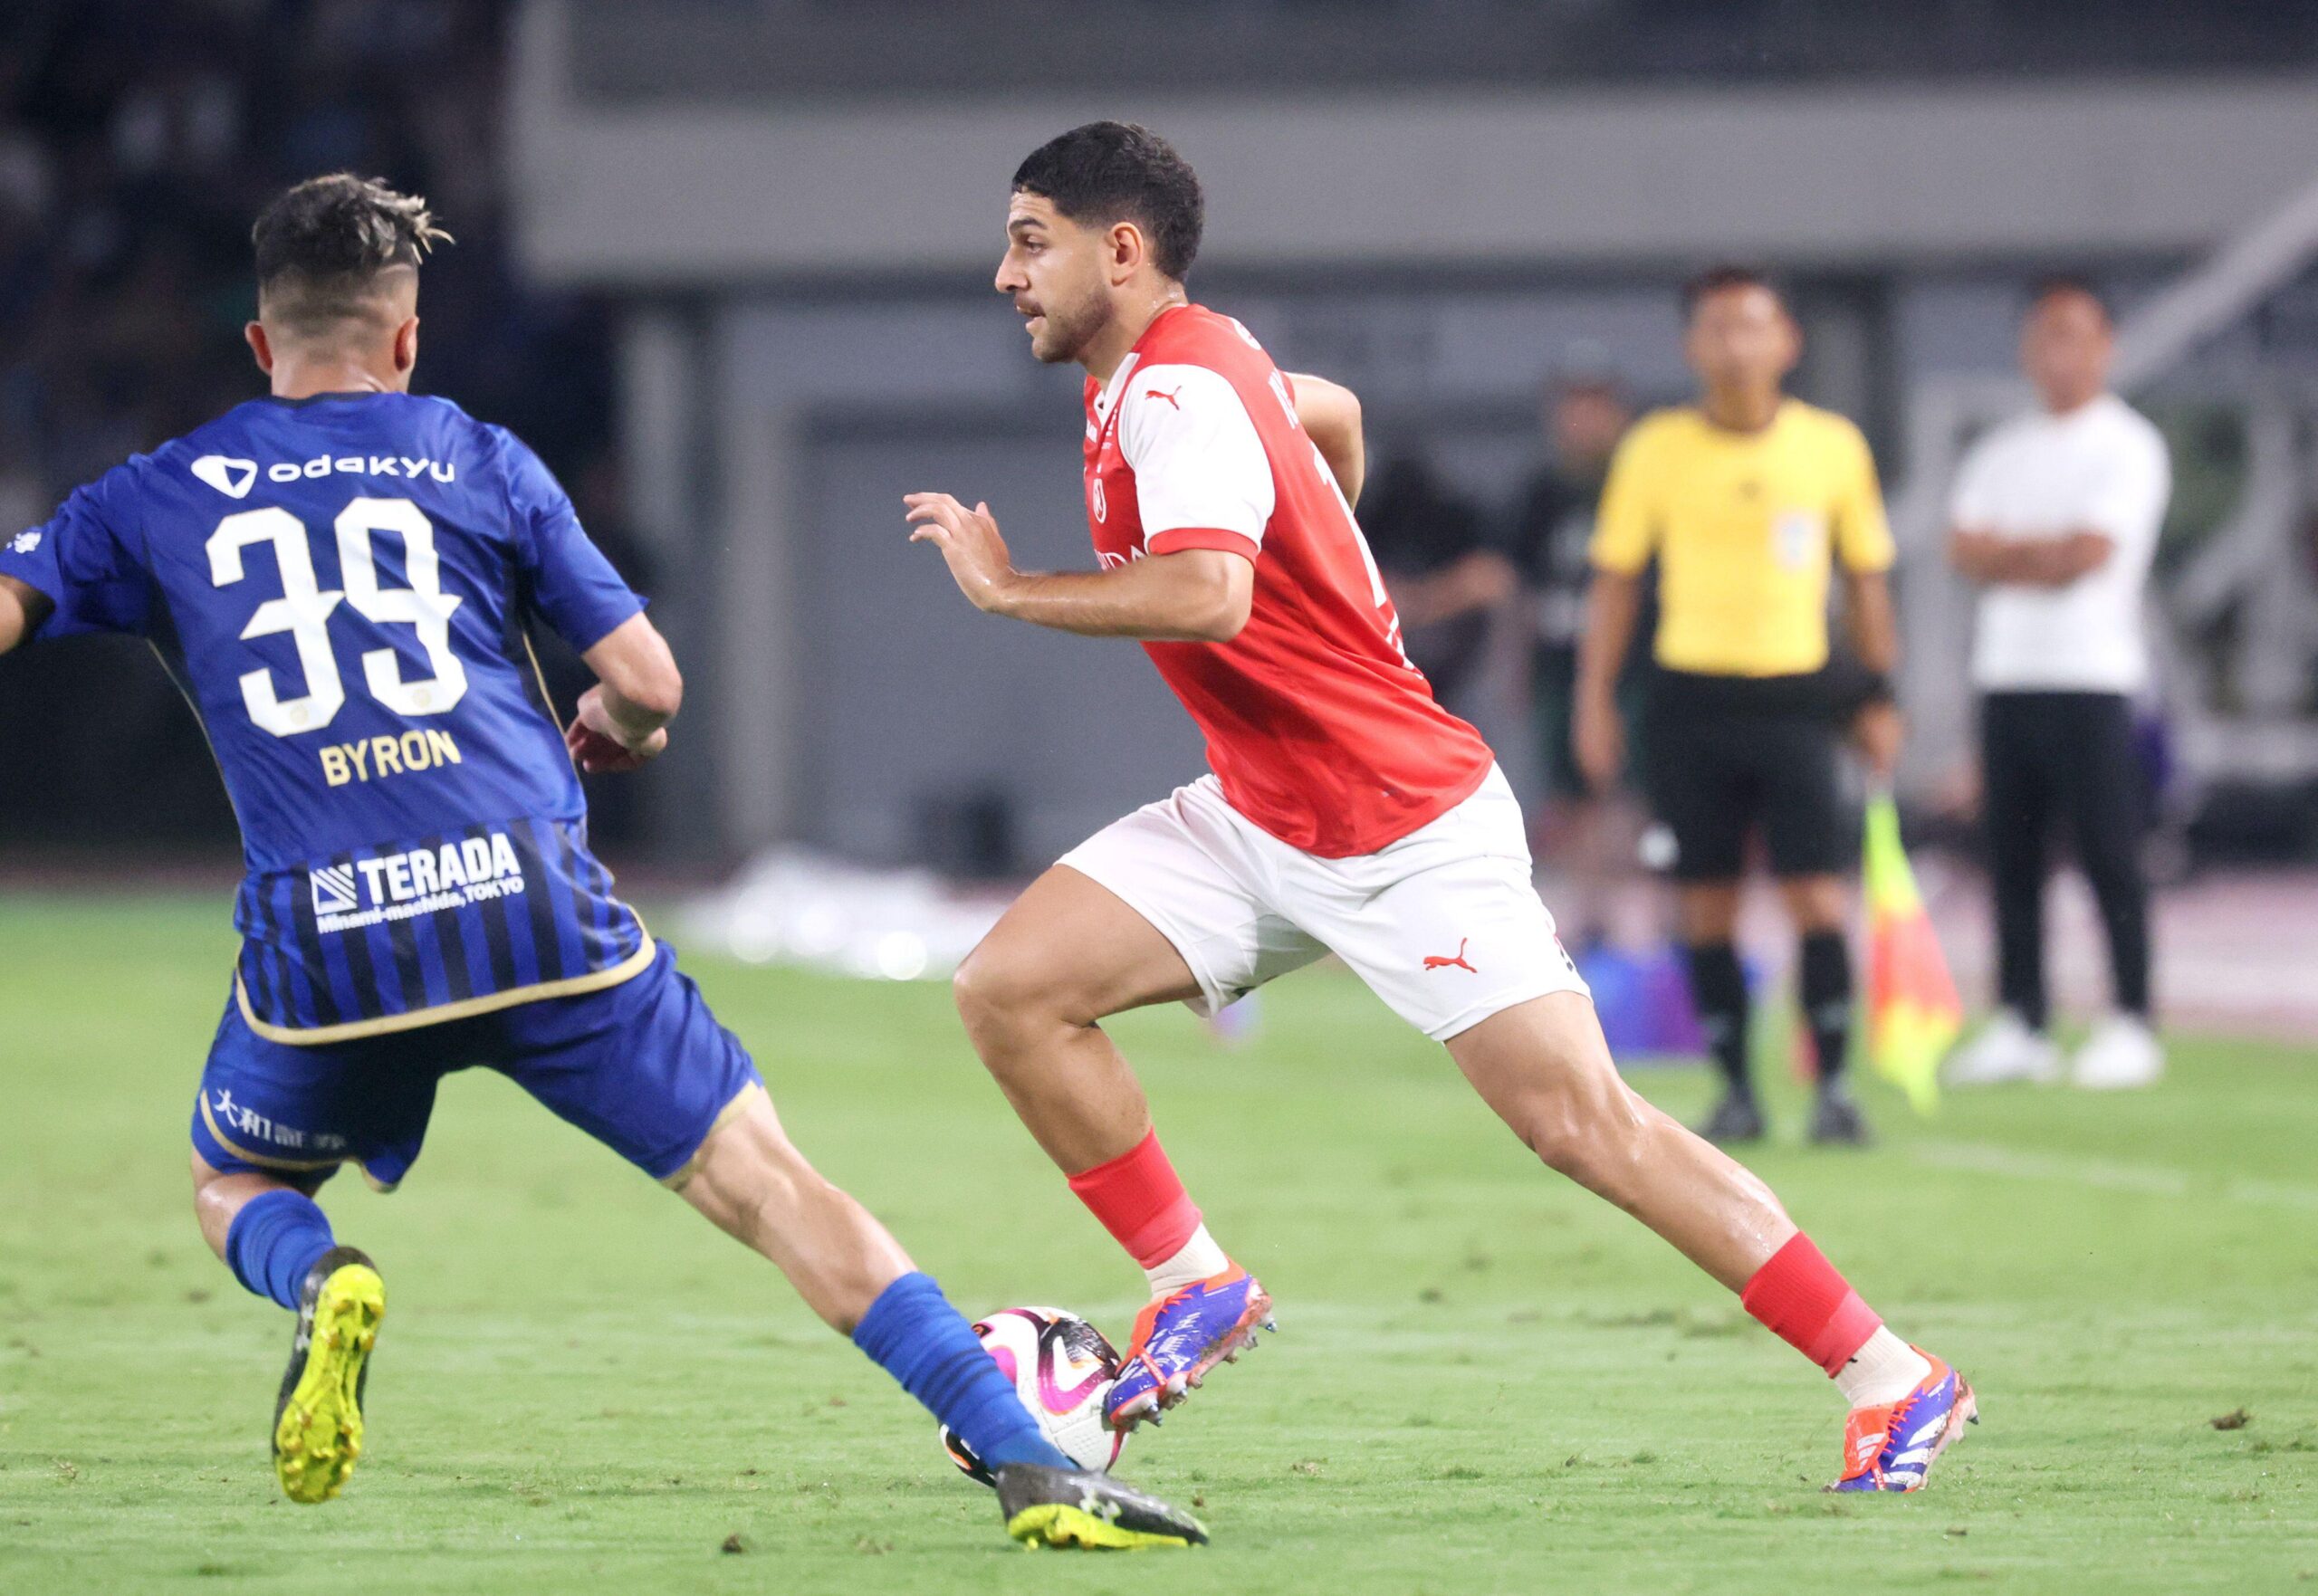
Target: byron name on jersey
[{"x": 340, "y": 584}]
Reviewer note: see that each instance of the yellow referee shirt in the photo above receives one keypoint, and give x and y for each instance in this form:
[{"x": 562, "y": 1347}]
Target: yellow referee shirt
[{"x": 1744, "y": 526}]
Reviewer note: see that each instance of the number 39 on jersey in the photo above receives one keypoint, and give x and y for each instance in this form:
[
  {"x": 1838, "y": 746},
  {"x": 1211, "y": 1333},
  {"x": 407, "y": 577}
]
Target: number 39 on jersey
[{"x": 305, "y": 608}]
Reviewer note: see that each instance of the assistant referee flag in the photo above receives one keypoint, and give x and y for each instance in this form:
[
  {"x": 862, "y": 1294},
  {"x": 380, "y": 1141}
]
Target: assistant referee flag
[{"x": 1913, "y": 1014}]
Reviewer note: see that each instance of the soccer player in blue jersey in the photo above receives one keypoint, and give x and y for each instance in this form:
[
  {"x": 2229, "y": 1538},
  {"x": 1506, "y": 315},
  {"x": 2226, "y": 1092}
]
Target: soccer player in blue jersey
[{"x": 338, "y": 575}]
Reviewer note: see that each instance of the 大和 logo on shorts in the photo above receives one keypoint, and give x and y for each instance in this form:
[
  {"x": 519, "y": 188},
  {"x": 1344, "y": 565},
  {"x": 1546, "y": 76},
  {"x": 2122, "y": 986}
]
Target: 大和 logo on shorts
[
  {"x": 333, "y": 886},
  {"x": 24, "y": 542},
  {"x": 225, "y": 1114}
]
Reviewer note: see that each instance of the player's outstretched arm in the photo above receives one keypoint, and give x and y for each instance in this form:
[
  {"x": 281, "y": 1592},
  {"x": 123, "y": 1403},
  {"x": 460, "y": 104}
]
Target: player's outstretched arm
[
  {"x": 623, "y": 718},
  {"x": 22, "y": 607},
  {"x": 1330, "y": 412},
  {"x": 1192, "y": 595}
]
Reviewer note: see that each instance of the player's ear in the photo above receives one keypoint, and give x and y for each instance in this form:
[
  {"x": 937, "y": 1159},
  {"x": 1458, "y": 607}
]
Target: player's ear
[
  {"x": 260, "y": 346},
  {"x": 406, "y": 344},
  {"x": 1127, "y": 250}
]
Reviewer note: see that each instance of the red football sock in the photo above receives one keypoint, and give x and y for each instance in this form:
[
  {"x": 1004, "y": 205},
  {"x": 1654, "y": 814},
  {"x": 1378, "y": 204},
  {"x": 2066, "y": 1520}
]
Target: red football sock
[
  {"x": 1806, "y": 1302},
  {"x": 1141, "y": 1202}
]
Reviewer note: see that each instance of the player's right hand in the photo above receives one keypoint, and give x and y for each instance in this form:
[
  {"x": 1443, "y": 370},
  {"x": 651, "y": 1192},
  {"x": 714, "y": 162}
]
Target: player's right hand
[
  {"x": 600, "y": 746},
  {"x": 969, "y": 542},
  {"x": 1598, "y": 738}
]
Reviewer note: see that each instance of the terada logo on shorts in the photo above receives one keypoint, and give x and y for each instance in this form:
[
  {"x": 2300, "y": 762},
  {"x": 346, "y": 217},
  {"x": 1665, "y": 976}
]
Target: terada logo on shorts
[
  {"x": 1452, "y": 960},
  {"x": 420, "y": 881}
]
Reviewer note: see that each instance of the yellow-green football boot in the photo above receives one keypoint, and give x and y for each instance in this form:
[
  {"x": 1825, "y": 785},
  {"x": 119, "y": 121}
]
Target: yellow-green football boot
[
  {"x": 1088, "y": 1510},
  {"x": 318, "y": 1420}
]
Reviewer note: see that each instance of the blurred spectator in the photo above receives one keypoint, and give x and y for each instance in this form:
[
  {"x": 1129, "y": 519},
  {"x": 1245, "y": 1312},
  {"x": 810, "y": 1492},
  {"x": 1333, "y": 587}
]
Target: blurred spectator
[
  {"x": 2055, "y": 515},
  {"x": 137, "y": 140},
  {"x": 1585, "y": 414},
  {"x": 1444, "y": 580}
]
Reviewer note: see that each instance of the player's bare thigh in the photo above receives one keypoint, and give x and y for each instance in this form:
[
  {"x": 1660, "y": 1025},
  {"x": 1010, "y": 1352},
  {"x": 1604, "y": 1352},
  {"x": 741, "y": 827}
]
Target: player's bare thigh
[{"x": 1071, "y": 952}]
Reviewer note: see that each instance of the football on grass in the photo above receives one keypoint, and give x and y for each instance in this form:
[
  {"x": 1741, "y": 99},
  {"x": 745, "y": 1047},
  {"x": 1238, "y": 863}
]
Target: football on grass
[{"x": 1062, "y": 1369}]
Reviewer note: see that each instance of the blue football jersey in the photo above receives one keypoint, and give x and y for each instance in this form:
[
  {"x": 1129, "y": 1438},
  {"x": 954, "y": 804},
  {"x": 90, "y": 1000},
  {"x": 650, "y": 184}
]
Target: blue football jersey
[{"x": 340, "y": 586}]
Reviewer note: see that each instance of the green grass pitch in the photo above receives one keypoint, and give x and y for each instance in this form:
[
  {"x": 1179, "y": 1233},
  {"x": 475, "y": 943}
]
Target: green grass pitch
[{"x": 1486, "y": 1381}]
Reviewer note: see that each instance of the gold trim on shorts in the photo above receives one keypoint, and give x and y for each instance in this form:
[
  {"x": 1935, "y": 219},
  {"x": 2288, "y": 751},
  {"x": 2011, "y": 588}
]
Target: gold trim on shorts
[
  {"x": 351, "y": 1030},
  {"x": 724, "y": 1116}
]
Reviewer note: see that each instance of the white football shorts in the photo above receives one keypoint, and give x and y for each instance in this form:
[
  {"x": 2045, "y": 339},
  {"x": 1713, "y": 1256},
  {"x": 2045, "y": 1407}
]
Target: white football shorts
[{"x": 1444, "y": 925}]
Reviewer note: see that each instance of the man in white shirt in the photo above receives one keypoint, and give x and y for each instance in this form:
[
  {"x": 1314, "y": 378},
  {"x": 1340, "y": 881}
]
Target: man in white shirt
[{"x": 2055, "y": 516}]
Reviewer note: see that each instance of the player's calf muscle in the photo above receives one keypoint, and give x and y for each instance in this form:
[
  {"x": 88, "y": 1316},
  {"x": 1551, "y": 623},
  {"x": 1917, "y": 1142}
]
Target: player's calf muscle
[
  {"x": 219, "y": 1196},
  {"x": 755, "y": 1186},
  {"x": 1542, "y": 1068}
]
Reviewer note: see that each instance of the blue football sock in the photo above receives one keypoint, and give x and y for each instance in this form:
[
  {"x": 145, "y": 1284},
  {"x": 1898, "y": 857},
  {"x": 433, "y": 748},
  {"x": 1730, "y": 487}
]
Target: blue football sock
[
  {"x": 276, "y": 1238},
  {"x": 919, "y": 1339}
]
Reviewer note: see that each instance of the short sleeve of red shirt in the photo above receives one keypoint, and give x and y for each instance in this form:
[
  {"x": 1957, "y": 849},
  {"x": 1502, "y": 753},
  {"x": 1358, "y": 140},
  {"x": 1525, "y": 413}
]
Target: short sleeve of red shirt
[{"x": 1202, "y": 477}]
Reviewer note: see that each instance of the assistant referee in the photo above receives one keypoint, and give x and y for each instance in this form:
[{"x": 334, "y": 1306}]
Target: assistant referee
[{"x": 1748, "y": 500}]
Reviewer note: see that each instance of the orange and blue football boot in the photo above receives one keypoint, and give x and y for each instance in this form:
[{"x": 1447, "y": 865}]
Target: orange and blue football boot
[
  {"x": 1180, "y": 1337},
  {"x": 1891, "y": 1446}
]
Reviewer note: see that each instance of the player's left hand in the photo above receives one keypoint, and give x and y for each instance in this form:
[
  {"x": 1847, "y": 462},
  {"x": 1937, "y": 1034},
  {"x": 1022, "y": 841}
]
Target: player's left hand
[
  {"x": 969, "y": 540},
  {"x": 601, "y": 746},
  {"x": 1879, "y": 731}
]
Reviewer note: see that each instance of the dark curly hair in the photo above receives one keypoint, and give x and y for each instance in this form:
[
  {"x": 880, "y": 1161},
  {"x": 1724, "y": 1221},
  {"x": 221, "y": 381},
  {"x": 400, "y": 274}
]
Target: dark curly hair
[{"x": 1106, "y": 173}]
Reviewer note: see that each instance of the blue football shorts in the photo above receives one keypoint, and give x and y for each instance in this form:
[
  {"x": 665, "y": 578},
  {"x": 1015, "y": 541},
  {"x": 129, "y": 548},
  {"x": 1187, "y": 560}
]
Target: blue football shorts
[{"x": 642, "y": 1066}]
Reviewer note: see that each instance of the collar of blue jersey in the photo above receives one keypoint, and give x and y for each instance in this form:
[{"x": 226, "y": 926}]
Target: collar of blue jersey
[{"x": 304, "y": 400}]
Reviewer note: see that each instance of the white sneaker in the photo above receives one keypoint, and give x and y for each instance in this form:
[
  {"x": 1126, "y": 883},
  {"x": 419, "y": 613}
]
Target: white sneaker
[
  {"x": 2122, "y": 1053},
  {"x": 2005, "y": 1050}
]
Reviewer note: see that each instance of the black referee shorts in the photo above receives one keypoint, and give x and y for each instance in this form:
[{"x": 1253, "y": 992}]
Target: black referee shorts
[{"x": 1730, "y": 756}]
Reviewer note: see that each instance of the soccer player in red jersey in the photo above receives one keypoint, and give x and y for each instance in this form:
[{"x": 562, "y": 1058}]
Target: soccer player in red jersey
[{"x": 1346, "y": 812}]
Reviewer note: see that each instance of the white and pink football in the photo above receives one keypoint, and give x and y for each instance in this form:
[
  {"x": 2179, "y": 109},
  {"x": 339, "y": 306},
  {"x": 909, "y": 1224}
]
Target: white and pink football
[{"x": 1062, "y": 1369}]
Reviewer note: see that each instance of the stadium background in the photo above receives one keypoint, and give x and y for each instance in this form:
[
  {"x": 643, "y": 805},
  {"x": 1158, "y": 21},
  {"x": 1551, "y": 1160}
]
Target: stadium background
[{"x": 726, "y": 266}]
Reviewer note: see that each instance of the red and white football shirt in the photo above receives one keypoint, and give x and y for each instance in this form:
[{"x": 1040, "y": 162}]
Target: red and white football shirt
[{"x": 1317, "y": 727}]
